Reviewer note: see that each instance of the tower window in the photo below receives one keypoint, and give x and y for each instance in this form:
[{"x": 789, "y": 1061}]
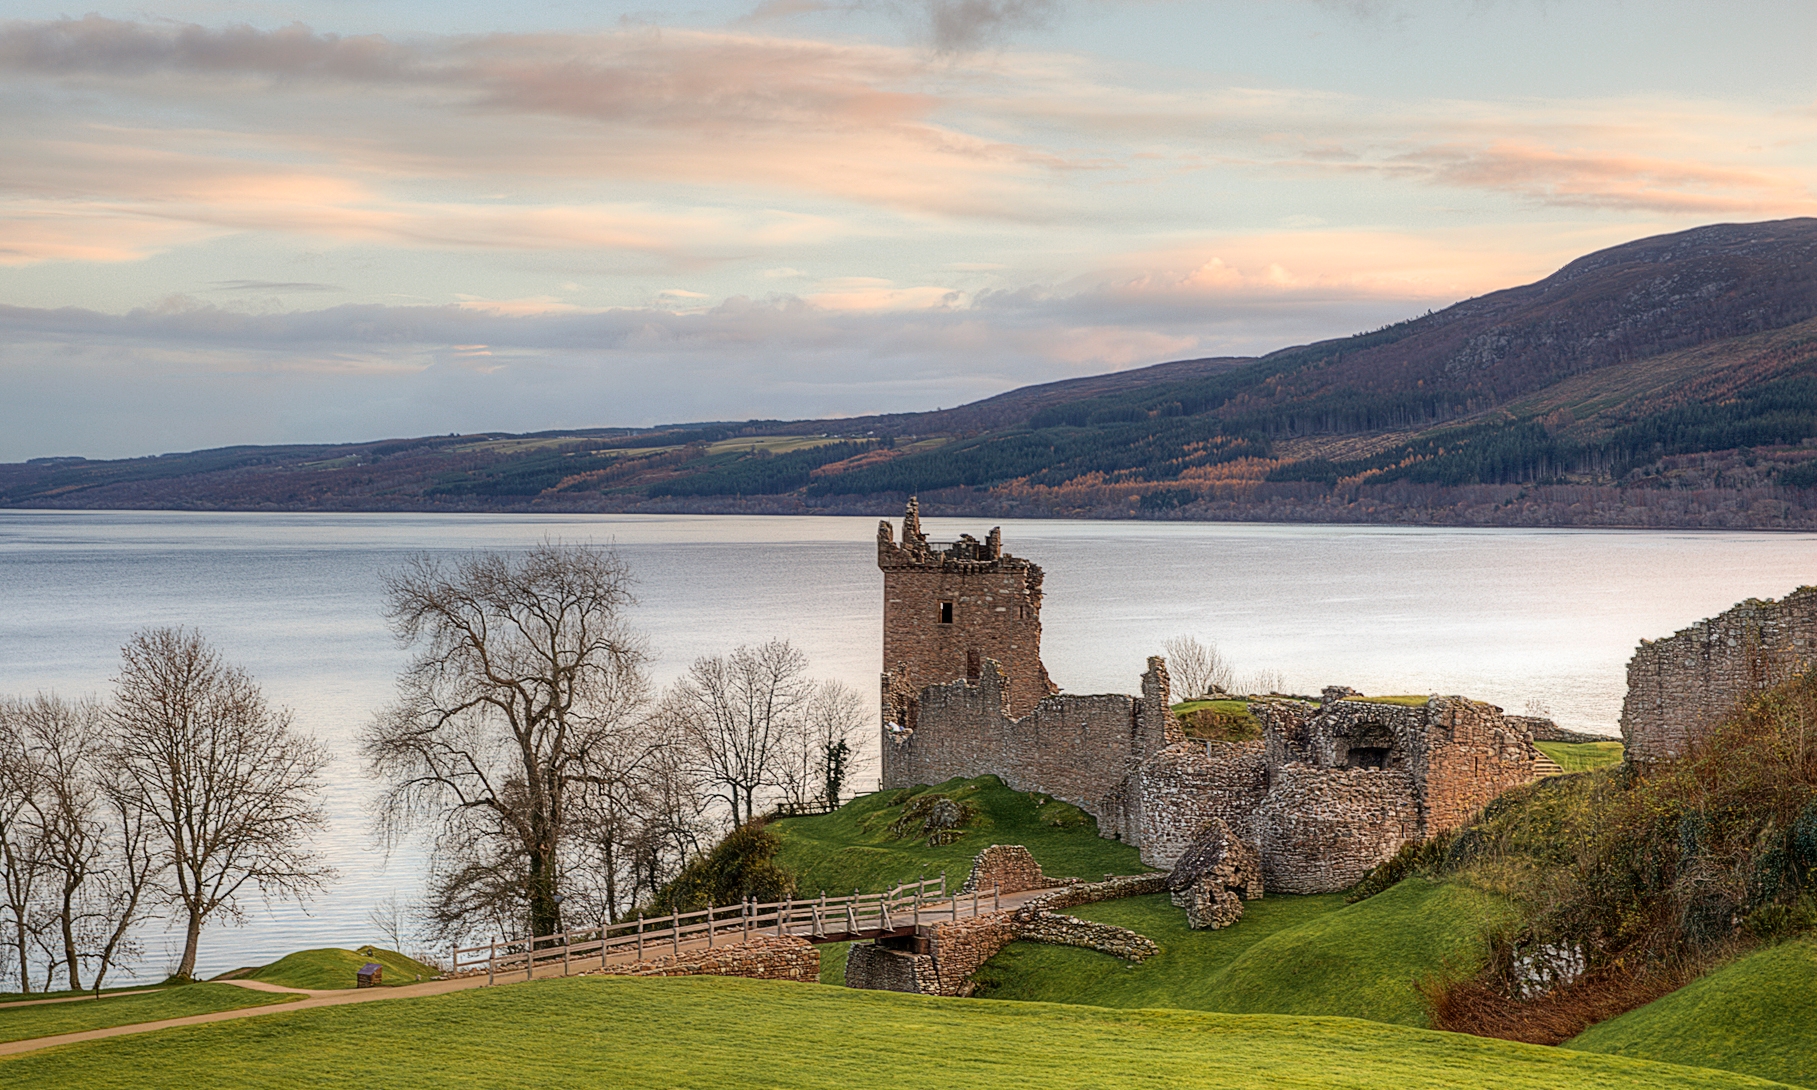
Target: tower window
[{"x": 946, "y": 613}]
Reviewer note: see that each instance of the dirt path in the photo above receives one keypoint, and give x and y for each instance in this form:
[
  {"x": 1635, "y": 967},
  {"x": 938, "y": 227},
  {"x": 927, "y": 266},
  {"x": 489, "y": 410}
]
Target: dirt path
[{"x": 317, "y": 997}]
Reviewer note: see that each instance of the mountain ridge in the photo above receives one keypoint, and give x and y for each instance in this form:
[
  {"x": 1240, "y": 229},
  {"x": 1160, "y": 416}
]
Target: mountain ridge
[{"x": 1669, "y": 381}]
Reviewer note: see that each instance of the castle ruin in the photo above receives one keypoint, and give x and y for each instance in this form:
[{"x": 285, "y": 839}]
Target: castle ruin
[
  {"x": 1332, "y": 788},
  {"x": 1681, "y": 687}
]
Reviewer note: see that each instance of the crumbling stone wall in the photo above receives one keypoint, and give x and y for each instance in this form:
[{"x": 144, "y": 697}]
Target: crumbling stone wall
[
  {"x": 946, "y": 609},
  {"x": 1682, "y": 686},
  {"x": 1076, "y": 748},
  {"x": 1322, "y": 829},
  {"x": 1471, "y": 755},
  {"x": 1059, "y": 930},
  {"x": 1171, "y": 796},
  {"x": 1114, "y": 887},
  {"x": 1004, "y": 868},
  {"x": 762, "y": 957}
]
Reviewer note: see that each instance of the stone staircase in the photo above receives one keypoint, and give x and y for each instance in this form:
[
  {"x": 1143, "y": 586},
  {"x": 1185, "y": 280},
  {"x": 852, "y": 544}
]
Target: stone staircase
[{"x": 1546, "y": 766}]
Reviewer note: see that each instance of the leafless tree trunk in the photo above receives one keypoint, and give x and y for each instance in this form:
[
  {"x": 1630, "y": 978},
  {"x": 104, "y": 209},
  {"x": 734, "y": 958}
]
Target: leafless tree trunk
[
  {"x": 742, "y": 710},
  {"x": 229, "y": 788},
  {"x": 22, "y": 869},
  {"x": 525, "y": 685},
  {"x": 1196, "y": 668},
  {"x": 65, "y": 739}
]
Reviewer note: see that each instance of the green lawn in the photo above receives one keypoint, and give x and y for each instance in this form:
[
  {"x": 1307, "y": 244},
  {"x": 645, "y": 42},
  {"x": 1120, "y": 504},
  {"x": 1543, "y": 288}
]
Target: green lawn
[
  {"x": 19, "y": 1023},
  {"x": 1410, "y": 700},
  {"x": 1755, "y": 1015},
  {"x": 1582, "y": 756},
  {"x": 727, "y": 1034},
  {"x": 851, "y": 848},
  {"x": 832, "y": 962},
  {"x": 334, "y": 968},
  {"x": 1288, "y": 955}
]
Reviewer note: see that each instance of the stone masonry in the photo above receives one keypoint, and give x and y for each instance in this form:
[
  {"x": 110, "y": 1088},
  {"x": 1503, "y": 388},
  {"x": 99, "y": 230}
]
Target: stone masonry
[
  {"x": 1004, "y": 868},
  {"x": 947, "y": 607},
  {"x": 1214, "y": 877},
  {"x": 1330, "y": 790},
  {"x": 763, "y": 957},
  {"x": 1682, "y": 686}
]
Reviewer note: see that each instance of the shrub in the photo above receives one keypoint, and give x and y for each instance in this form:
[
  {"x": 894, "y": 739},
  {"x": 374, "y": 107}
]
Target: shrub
[{"x": 741, "y": 866}]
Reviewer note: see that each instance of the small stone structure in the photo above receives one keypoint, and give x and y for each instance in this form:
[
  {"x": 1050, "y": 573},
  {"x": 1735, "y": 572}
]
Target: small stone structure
[
  {"x": 1680, "y": 687},
  {"x": 940, "y": 958},
  {"x": 761, "y": 957},
  {"x": 1330, "y": 790},
  {"x": 1215, "y": 876},
  {"x": 1005, "y": 868}
]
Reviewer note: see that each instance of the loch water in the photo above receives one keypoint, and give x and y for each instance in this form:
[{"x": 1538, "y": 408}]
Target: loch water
[{"x": 1528, "y": 619}]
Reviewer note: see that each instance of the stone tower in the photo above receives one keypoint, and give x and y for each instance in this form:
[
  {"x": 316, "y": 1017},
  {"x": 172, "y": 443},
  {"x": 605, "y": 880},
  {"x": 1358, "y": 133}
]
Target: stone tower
[{"x": 949, "y": 606}]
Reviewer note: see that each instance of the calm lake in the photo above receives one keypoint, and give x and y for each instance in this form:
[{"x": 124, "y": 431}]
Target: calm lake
[{"x": 1517, "y": 617}]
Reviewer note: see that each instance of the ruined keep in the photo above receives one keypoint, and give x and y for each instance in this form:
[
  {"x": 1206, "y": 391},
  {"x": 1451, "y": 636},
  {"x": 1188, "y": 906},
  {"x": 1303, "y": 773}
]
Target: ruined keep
[
  {"x": 948, "y": 607},
  {"x": 1331, "y": 789},
  {"x": 1682, "y": 686}
]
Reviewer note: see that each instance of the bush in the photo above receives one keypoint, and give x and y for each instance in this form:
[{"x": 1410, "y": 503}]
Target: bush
[{"x": 741, "y": 866}]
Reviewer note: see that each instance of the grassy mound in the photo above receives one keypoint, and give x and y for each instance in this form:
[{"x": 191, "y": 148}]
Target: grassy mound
[
  {"x": 1753, "y": 1015},
  {"x": 730, "y": 1034},
  {"x": 335, "y": 968},
  {"x": 1288, "y": 955},
  {"x": 853, "y": 847},
  {"x": 1582, "y": 756},
  {"x": 51, "y": 1019}
]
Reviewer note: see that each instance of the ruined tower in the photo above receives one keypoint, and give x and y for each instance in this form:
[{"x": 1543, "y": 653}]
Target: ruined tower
[{"x": 949, "y": 606}]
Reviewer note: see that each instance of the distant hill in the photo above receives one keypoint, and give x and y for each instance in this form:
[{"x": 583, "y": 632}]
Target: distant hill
[{"x": 1666, "y": 382}]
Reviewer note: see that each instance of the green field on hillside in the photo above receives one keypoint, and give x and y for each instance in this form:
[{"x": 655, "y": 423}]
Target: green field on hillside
[
  {"x": 726, "y": 1034},
  {"x": 1582, "y": 756},
  {"x": 334, "y": 968},
  {"x": 50, "y": 1019},
  {"x": 1288, "y": 955},
  {"x": 1755, "y": 1015},
  {"x": 852, "y": 848}
]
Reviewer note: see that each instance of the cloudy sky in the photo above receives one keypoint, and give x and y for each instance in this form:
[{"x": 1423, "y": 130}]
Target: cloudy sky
[{"x": 227, "y": 222}]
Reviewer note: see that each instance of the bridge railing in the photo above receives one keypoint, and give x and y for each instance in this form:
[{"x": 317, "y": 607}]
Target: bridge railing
[{"x": 825, "y": 918}]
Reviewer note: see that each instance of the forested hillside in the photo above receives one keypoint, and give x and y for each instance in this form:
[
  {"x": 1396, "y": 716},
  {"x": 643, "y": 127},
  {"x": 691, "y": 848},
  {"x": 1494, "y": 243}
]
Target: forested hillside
[{"x": 1667, "y": 382}]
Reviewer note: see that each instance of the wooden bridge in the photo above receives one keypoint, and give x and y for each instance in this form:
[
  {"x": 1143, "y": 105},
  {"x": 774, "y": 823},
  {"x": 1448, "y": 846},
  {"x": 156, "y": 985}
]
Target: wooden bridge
[{"x": 903, "y": 910}]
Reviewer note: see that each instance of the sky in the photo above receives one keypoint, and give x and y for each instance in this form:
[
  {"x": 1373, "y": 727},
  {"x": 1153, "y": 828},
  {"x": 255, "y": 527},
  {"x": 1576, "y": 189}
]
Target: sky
[{"x": 231, "y": 222}]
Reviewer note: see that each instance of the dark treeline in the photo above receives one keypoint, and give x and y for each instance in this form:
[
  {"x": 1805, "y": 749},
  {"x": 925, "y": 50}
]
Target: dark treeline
[{"x": 761, "y": 473}]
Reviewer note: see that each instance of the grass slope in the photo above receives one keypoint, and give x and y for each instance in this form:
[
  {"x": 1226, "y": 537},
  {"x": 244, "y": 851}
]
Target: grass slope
[
  {"x": 19, "y": 1023},
  {"x": 852, "y": 848},
  {"x": 1754, "y": 1016},
  {"x": 1288, "y": 955},
  {"x": 334, "y": 968},
  {"x": 1582, "y": 756},
  {"x": 727, "y": 1034}
]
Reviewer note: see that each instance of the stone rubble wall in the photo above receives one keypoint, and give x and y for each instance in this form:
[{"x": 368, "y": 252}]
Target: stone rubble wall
[
  {"x": 1076, "y": 748},
  {"x": 1472, "y": 755},
  {"x": 1681, "y": 687},
  {"x": 1058, "y": 930},
  {"x": 875, "y": 968},
  {"x": 961, "y": 946},
  {"x": 765, "y": 957},
  {"x": 1004, "y": 868},
  {"x": 1114, "y": 887},
  {"x": 1322, "y": 829},
  {"x": 1175, "y": 793},
  {"x": 1541, "y": 729}
]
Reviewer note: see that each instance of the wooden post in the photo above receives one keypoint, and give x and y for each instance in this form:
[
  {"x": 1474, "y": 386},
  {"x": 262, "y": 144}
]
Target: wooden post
[
  {"x": 782, "y": 914},
  {"x": 530, "y": 958},
  {"x": 996, "y": 897},
  {"x": 605, "y": 931},
  {"x": 675, "y": 930},
  {"x": 709, "y": 927},
  {"x": 974, "y": 902},
  {"x": 747, "y": 919},
  {"x": 491, "y": 960},
  {"x": 640, "y": 936},
  {"x": 567, "y": 945}
]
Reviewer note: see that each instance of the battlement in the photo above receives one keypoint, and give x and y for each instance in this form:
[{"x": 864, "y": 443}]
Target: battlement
[{"x": 917, "y": 552}]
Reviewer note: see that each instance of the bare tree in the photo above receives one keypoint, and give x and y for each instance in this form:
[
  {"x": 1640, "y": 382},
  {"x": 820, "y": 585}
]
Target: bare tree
[
  {"x": 1196, "y": 668},
  {"x": 22, "y": 869},
  {"x": 69, "y": 810},
  {"x": 523, "y": 699},
  {"x": 820, "y": 753},
  {"x": 230, "y": 790},
  {"x": 742, "y": 710}
]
